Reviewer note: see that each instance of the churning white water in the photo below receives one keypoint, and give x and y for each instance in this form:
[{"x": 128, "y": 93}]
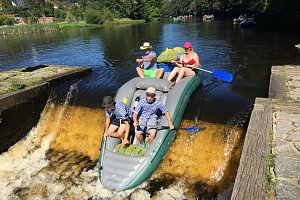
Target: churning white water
[{"x": 58, "y": 160}]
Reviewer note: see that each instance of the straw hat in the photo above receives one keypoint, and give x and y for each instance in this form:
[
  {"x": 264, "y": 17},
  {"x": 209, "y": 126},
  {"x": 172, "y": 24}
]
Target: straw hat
[{"x": 146, "y": 45}]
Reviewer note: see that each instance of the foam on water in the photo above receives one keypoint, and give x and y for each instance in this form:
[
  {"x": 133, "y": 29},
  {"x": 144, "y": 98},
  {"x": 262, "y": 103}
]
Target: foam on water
[{"x": 58, "y": 160}]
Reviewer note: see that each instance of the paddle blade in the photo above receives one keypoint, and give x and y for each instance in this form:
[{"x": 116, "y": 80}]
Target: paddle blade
[
  {"x": 223, "y": 76},
  {"x": 193, "y": 129}
]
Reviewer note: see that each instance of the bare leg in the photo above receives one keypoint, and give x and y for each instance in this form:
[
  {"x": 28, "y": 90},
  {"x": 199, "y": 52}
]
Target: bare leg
[
  {"x": 112, "y": 130},
  {"x": 180, "y": 75},
  {"x": 139, "y": 137},
  {"x": 173, "y": 73},
  {"x": 184, "y": 72},
  {"x": 120, "y": 131},
  {"x": 159, "y": 72},
  {"x": 140, "y": 72},
  {"x": 189, "y": 72},
  {"x": 152, "y": 133},
  {"x": 125, "y": 136}
]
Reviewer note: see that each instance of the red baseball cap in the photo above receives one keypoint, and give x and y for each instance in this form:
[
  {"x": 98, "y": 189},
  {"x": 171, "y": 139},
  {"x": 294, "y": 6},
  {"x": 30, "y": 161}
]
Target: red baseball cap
[{"x": 187, "y": 45}]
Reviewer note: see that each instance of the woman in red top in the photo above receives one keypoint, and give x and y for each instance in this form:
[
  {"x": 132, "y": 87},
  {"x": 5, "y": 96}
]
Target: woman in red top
[{"x": 189, "y": 59}]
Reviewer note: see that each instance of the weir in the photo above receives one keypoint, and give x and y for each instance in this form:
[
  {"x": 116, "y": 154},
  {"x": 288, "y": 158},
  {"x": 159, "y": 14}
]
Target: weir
[{"x": 24, "y": 92}]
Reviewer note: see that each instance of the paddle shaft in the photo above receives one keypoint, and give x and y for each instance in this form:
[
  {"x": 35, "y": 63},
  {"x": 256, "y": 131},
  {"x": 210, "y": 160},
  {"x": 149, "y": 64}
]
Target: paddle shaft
[
  {"x": 167, "y": 127},
  {"x": 103, "y": 144},
  {"x": 190, "y": 66}
]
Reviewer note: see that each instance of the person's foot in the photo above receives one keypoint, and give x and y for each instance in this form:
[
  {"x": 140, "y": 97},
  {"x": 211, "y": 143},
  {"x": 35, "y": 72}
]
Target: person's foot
[
  {"x": 171, "y": 84},
  {"x": 125, "y": 142},
  {"x": 144, "y": 145}
]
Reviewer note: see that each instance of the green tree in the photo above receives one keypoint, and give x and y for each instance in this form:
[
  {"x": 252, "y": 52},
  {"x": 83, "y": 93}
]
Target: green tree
[
  {"x": 58, "y": 13},
  {"x": 76, "y": 12},
  {"x": 151, "y": 9}
]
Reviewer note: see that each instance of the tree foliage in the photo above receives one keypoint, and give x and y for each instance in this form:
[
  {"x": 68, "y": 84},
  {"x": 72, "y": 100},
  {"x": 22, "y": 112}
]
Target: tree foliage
[{"x": 148, "y": 9}]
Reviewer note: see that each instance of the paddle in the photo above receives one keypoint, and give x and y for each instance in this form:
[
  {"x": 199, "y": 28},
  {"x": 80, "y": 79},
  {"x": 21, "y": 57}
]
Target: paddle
[
  {"x": 190, "y": 129},
  {"x": 221, "y": 75}
]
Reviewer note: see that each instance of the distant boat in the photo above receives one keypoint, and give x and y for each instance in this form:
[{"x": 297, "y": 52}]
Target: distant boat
[
  {"x": 177, "y": 19},
  {"x": 247, "y": 24},
  {"x": 208, "y": 17}
]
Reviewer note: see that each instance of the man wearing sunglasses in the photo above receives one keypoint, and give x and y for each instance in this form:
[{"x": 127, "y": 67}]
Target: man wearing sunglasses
[
  {"x": 147, "y": 110},
  {"x": 118, "y": 117}
]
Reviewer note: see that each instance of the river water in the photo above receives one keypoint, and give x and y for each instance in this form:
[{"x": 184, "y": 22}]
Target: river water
[{"x": 58, "y": 157}]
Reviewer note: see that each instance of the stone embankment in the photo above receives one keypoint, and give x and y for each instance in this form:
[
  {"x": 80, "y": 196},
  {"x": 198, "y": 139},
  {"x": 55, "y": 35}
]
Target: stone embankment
[
  {"x": 18, "y": 85},
  {"x": 270, "y": 162},
  {"x": 23, "y": 95}
]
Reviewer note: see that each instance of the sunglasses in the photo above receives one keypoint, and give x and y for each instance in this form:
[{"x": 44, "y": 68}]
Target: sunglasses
[
  {"x": 187, "y": 49},
  {"x": 150, "y": 94}
]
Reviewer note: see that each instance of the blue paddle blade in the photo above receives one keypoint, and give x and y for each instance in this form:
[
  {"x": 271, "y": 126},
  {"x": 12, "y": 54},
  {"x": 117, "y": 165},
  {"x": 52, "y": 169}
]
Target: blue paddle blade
[
  {"x": 193, "y": 129},
  {"x": 224, "y": 76}
]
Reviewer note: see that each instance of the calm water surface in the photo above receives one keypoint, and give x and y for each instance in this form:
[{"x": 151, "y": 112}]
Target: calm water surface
[
  {"x": 210, "y": 158},
  {"x": 111, "y": 52}
]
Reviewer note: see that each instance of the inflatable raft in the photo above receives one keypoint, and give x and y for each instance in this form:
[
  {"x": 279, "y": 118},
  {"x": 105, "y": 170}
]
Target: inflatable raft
[{"x": 124, "y": 167}]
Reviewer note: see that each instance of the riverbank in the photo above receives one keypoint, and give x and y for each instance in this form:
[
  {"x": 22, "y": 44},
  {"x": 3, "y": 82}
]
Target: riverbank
[
  {"x": 270, "y": 162},
  {"x": 34, "y": 28}
]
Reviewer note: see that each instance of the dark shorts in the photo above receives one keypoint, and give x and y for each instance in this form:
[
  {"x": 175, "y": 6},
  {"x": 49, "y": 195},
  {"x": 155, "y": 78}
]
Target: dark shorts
[{"x": 118, "y": 122}]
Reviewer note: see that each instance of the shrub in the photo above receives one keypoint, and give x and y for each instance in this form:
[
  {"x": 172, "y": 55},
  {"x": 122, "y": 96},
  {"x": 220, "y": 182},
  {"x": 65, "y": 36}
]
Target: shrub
[
  {"x": 70, "y": 17},
  {"x": 98, "y": 16},
  {"x": 5, "y": 20},
  {"x": 32, "y": 19},
  {"x": 93, "y": 16}
]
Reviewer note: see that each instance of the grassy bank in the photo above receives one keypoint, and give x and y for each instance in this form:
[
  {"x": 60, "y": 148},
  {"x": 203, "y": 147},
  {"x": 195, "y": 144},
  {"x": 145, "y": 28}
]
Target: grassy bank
[
  {"x": 34, "y": 28},
  {"x": 120, "y": 21},
  {"x": 25, "y": 77},
  {"x": 31, "y": 28}
]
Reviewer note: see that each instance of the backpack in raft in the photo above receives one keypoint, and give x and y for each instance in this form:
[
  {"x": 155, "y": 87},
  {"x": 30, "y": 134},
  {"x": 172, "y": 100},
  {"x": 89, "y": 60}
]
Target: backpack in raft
[
  {"x": 164, "y": 59},
  {"x": 170, "y": 54}
]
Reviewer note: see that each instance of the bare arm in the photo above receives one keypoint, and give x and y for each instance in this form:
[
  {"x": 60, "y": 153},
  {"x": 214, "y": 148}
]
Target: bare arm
[
  {"x": 178, "y": 64},
  {"x": 135, "y": 120},
  {"x": 197, "y": 60},
  {"x": 150, "y": 58},
  {"x": 168, "y": 116}
]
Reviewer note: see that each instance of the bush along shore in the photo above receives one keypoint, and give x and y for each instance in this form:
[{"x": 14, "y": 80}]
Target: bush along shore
[{"x": 35, "y": 28}]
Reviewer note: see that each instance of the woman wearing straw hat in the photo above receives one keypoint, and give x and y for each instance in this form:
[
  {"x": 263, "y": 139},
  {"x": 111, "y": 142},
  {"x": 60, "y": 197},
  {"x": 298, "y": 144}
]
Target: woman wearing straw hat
[{"x": 147, "y": 64}]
